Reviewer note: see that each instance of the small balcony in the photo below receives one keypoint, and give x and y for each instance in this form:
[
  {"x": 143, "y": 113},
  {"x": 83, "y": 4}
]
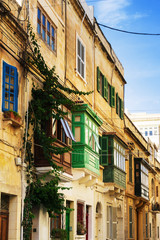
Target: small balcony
[{"x": 61, "y": 160}]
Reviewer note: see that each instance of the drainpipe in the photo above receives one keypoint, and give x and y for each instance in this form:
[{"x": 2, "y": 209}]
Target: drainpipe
[
  {"x": 65, "y": 57},
  {"x": 23, "y": 155},
  {"x": 93, "y": 72}
]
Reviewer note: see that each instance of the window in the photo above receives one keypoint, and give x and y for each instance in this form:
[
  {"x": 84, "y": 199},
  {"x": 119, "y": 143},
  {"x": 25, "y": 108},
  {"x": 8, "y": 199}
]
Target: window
[
  {"x": 146, "y": 225},
  {"x": 46, "y": 29},
  {"x": 119, "y": 106},
  {"x": 112, "y": 153},
  {"x": 105, "y": 89},
  {"x": 111, "y": 222},
  {"x": 158, "y": 231},
  {"x": 10, "y": 88},
  {"x": 55, "y": 223},
  {"x": 80, "y": 58},
  {"x": 156, "y": 191},
  {"x": 130, "y": 222},
  {"x": 80, "y": 217},
  {"x": 150, "y": 133},
  {"x": 146, "y": 133},
  {"x": 130, "y": 167},
  {"x": 61, "y": 129},
  {"x": 91, "y": 136},
  {"x": 150, "y": 230}
]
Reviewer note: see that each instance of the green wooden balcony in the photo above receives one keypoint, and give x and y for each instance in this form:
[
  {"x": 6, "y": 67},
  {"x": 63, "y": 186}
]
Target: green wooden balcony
[{"x": 85, "y": 125}]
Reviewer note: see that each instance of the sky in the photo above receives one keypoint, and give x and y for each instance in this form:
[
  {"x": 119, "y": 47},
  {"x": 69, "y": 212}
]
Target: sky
[{"x": 139, "y": 55}]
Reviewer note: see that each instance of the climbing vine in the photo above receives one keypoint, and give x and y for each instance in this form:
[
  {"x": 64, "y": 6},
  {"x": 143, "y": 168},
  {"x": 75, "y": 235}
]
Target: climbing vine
[{"x": 45, "y": 104}]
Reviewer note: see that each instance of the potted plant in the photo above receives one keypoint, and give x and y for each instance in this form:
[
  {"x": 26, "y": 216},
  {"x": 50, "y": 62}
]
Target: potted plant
[
  {"x": 59, "y": 234},
  {"x": 12, "y": 115},
  {"x": 81, "y": 229}
]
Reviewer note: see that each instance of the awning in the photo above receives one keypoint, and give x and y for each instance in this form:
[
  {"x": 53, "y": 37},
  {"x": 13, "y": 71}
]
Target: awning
[{"x": 67, "y": 129}]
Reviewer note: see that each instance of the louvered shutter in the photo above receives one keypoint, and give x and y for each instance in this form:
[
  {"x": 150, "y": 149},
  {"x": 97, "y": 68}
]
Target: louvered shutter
[
  {"x": 105, "y": 88},
  {"x": 98, "y": 79},
  {"x": 122, "y": 110},
  {"x": 108, "y": 221},
  {"x": 104, "y": 151},
  {"x": 117, "y": 107},
  {"x": 112, "y": 96},
  {"x": 114, "y": 223}
]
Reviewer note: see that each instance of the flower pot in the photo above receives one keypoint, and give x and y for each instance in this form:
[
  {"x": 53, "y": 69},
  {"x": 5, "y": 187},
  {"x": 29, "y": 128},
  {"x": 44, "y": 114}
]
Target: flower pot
[{"x": 14, "y": 117}]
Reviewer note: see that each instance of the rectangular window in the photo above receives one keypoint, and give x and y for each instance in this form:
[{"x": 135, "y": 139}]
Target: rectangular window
[
  {"x": 55, "y": 224},
  {"x": 146, "y": 225},
  {"x": 150, "y": 230},
  {"x": 43, "y": 27},
  {"x": 119, "y": 106},
  {"x": 156, "y": 191},
  {"x": 48, "y": 32},
  {"x": 158, "y": 231},
  {"x": 130, "y": 222},
  {"x": 10, "y": 88},
  {"x": 78, "y": 134},
  {"x": 80, "y": 58},
  {"x": 61, "y": 129},
  {"x": 39, "y": 21},
  {"x": 130, "y": 167},
  {"x": 111, "y": 222},
  {"x": 80, "y": 217},
  {"x": 46, "y": 29}
]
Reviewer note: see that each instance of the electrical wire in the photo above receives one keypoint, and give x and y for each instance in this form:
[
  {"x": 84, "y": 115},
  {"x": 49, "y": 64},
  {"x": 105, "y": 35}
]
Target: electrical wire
[{"x": 129, "y": 32}]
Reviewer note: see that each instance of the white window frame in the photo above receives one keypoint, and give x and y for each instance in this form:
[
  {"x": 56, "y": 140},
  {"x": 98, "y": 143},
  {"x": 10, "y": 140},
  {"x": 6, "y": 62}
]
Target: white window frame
[{"x": 78, "y": 38}]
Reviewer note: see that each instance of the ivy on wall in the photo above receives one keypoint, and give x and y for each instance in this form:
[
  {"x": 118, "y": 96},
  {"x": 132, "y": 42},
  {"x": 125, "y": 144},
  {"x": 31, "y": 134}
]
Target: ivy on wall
[{"x": 45, "y": 104}]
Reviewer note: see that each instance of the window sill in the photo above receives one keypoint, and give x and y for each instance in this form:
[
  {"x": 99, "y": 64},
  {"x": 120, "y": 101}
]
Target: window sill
[
  {"x": 130, "y": 183},
  {"x": 11, "y": 121},
  {"x": 80, "y": 76}
]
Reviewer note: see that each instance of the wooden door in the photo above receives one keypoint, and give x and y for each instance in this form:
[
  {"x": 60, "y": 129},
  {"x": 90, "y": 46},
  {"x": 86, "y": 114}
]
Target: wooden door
[{"x": 4, "y": 226}]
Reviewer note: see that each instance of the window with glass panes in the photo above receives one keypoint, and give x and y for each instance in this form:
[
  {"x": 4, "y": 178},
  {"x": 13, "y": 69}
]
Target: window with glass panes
[
  {"x": 119, "y": 156},
  {"x": 80, "y": 58},
  {"x": 46, "y": 29},
  {"x": 146, "y": 224},
  {"x": 111, "y": 222},
  {"x": 130, "y": 222},
  {"x": 10, "y": 88},
  {"x": 130, "y": 167},
  {"x": 112, "y": 152},
  {"x": 91, "y": 134}
]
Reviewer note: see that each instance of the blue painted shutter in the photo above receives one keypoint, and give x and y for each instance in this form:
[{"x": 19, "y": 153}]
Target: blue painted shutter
[{"x": 10, "y": 88}]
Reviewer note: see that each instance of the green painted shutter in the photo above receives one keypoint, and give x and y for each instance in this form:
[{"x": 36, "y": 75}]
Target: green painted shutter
[
  {"x": 122, "y": 110},
  {"x": 110, "y": 151},
  {"x": 104, "y": 151},
  {"x": 100, "y": 150},
  {"x": 98, "y": 79},
  {"x": 112, "y": 96},
  {"x": 117, "y": 107},
  {"x": 105, "y": 88}
]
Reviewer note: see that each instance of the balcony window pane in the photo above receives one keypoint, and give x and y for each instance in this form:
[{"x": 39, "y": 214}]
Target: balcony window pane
[{"x": 78, "y": 134}]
